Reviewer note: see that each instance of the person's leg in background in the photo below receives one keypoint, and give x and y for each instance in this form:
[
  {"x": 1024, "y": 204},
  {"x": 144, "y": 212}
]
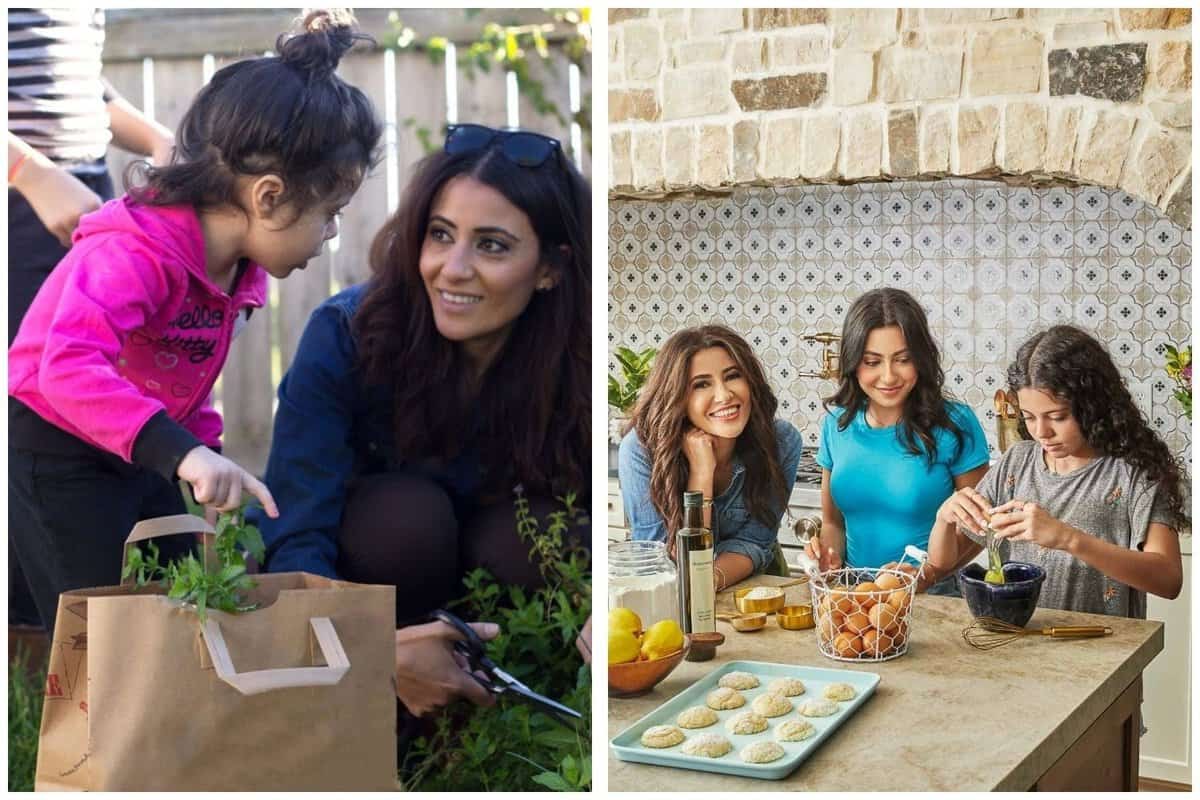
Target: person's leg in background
[{"x": 490, "y": 540}]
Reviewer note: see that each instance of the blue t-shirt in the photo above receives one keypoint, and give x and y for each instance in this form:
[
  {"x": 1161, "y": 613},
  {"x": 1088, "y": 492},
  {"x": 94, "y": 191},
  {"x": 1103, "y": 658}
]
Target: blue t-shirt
[
  {"x": 888, "y": 496},
  {"x": 736, "y": 530}
]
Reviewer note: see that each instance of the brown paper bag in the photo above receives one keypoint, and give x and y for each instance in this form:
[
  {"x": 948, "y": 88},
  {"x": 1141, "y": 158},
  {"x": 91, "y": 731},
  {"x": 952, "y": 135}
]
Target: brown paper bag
[{"x": 295, "y": 695}]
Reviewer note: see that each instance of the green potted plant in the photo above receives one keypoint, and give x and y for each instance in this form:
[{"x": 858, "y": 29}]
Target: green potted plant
[
  {"x": 1179, "y": 369},
  {"x": 623, "y": 393}
]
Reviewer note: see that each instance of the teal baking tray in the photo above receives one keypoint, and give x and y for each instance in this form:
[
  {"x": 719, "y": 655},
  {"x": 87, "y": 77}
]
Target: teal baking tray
[{"x": 627, "y": 744}]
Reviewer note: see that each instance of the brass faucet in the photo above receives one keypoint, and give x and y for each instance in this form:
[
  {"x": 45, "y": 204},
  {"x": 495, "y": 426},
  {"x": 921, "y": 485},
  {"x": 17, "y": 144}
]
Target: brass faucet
[{"x": 829, "y": 356}]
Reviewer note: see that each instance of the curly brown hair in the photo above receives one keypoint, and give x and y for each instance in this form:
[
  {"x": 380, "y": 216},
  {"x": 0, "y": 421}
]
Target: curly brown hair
[
  {"x": 1068, "y": 363},
  {"x": 661, "y": 421},
  {"x": 530, "y": 414}
]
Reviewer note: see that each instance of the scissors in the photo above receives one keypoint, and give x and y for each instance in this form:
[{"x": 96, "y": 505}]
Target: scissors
[{"x": 498, "y": 681}]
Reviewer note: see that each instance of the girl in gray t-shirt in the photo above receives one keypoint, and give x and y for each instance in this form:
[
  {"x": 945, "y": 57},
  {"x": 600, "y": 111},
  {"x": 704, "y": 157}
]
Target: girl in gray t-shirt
[{"x": 1094, "y": 496}]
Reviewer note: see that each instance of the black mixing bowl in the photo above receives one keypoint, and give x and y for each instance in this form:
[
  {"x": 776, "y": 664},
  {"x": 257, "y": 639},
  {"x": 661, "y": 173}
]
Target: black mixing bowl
[{"x": 1012, "y": 601}]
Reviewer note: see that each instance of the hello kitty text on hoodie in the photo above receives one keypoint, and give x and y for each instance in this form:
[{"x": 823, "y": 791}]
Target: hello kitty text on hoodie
[{"x": 125, "y": 339}]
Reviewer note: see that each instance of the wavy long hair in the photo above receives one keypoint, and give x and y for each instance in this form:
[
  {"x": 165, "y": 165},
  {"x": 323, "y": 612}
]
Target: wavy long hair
[
  {"x": 1069, "y": 364},
  {"x": 660, "y": 419},
  {"x": 530, "y": 413},
  {"x": 925, "y": 407},
  {"x": 290, "y": 115}
]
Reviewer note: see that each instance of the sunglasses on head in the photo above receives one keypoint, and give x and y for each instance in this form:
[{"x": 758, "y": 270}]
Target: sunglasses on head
[{"x": 523, "y": 148}]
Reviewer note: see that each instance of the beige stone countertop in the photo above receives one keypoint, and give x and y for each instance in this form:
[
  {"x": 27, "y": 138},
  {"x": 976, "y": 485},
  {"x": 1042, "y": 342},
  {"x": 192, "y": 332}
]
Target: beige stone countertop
[{"x": 927, "y": 727}]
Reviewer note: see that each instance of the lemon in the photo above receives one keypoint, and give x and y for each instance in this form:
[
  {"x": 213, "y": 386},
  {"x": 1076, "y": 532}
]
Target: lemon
[
  {"x": 622, "y": 647},
  {"x": 624, "y": 619},
  {"x": 662, "y": 638}
]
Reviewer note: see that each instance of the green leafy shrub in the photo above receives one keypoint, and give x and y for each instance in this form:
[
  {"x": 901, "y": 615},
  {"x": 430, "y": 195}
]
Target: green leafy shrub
[
  {"x": 24, "y": 721},
  {"x": 513, "y": 747}
]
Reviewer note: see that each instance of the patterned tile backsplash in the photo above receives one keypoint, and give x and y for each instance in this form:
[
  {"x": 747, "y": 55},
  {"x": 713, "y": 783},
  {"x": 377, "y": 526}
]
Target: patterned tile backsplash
[{"x": 990, "y": 263}]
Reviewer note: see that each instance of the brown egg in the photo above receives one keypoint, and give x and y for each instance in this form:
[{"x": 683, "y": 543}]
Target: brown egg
[
  {"x": 884, "y": 617},
  {"x": 847, "y": 645},
  {"x": 871, "y": 642},
  {"x": 867, "y": 595},
  {"x": 900, "y": 599},
  {"x": 827, "y": 628},
  {"x": 888, "y": 582},
  {"x": 858, "y": 622},
  {"x": 842, "y": 600}
]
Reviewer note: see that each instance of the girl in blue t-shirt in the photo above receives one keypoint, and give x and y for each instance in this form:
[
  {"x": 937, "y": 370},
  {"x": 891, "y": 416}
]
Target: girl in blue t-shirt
[{"x": 893, "y": 447}]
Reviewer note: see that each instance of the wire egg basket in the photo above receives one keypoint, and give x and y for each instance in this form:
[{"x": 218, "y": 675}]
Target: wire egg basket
[{"x": 865, "y": 614}]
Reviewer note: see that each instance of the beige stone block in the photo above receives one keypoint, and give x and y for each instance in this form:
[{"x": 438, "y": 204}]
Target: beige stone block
[
  {"x": 616, "y": 15},
  {"x": 853, "y": 77},
  {"x": 1025, "y": 127},
  {"x": 696, "y": 92},
  {"x": 674, "y": 22},
  {"x": 1006, "y": 61},
  {"x": 1171, "y": 65},
  {"x": 902, "y": 143},
  {"x": 616, "y": 64},
  {"x": 863, "y": 153},
  {"x": 745, "y": 150},
  {"x": 1076, "y": 34},
  {"x": 956, "y": 16},
  {"x": 711, "y": 21},
  {"x": 781, "y": 150},
  {"x": 865, "y": 28},
  {"x": 715, "y": 151},
  {"x": 819, "y": 152},
  {"x": 749, "y": 55},
  {"x": 648, "y": 159},
  {"x": 679, "y": 156},
  {"x": 632, "y": 104},
  {"x": 1061, "y": 136},
  {"x": 978, "y": 132},
  {"x": 643, "y": 50},
  {"x": 945, "y": 39},
  {"x": 797, "y": 49},
  {"x": 1174, "y": 113},
  {"x": 906, "y": 74},
  {"x": 1160, "y": 159},
  {"x": 762, "y": 19},
  {"x": 1143, "y": 19},
  {"x": 620, "y": 164},
  {"x": 934, "y": 155},
  {"x": 1104, "y": 147},
  {"x": 1059, "y": 14},
  {"x": 689, "y": 53}
]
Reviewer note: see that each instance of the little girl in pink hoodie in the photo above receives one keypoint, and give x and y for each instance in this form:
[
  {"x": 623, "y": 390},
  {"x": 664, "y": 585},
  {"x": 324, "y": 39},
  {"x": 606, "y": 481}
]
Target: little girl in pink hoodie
[{"x": 111, "y": 372}]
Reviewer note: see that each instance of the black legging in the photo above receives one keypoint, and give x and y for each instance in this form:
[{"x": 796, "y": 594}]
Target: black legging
[{"x": 402, "y": 530}]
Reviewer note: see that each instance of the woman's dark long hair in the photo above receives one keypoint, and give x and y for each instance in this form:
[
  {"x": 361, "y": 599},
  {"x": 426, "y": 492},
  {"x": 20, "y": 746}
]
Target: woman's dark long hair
[
  {"x": 660, "y": 419},
  {"x": 925, "y": 409},
  {"x": 288, "y": 115},
  {"x": 1069, "y": 364},
  {"x": 531, "y": 412}
]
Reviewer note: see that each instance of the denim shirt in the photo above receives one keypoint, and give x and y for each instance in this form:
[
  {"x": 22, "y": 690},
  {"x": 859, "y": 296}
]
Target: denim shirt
[
  {"x": 736, "y": 531},
  {"x": 331, "y": 429}
]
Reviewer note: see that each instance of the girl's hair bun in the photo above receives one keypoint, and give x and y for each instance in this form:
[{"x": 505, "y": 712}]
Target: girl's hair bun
[{"x": 325, "y": 36}]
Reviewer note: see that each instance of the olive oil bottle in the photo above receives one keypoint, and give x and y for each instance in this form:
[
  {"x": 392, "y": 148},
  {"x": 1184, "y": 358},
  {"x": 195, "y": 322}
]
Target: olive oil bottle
[{"x": 694, "y": 559}]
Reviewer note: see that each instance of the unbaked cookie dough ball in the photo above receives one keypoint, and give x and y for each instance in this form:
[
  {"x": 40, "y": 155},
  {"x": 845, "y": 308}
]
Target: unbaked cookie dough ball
[
  {"x": 709, "y": 745},
  {"x": 696, "y": 717},
  {"x": 724, "y": 698},
  {"x": 662, "y": 736}
]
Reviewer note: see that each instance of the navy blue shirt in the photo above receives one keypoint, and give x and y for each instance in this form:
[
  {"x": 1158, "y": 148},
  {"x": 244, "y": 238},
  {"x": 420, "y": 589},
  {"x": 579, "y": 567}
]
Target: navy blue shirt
[{"x": 331, "y": 429}]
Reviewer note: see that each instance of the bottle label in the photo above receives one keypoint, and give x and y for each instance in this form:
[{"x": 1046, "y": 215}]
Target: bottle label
[{"x": 703, "y": 594}]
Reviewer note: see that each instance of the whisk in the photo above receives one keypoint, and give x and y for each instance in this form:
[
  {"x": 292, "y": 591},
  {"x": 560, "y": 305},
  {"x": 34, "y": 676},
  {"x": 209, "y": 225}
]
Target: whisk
[{"x": 987, "y": 633}]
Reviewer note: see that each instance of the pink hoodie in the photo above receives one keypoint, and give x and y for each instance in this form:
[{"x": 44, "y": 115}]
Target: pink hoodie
[{"x": 127, "y": 325}]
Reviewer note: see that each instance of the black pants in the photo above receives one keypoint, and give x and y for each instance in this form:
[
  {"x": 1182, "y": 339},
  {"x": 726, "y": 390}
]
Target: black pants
[
  {"x": 32, "y": 253},
  {"x": 403, "y": 531},
  {"x": 69, "y": 516}
]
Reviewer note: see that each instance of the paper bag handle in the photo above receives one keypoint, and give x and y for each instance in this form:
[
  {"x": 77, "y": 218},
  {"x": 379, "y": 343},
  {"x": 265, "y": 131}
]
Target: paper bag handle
[
  {"x": 169, "y": 526},
  {"x": 267, "y": 680}
]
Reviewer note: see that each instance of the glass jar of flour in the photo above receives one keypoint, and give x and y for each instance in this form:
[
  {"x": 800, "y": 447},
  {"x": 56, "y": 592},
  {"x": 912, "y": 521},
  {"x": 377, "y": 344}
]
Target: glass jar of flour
[{"x": 642, "y": 578}]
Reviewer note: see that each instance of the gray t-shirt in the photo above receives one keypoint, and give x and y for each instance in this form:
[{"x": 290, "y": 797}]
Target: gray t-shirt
[{"x": 1106, "y": 498}]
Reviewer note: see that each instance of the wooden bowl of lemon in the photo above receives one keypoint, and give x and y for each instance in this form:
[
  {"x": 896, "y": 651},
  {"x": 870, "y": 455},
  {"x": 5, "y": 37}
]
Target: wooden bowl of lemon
[{"x": 639, "y": 659}]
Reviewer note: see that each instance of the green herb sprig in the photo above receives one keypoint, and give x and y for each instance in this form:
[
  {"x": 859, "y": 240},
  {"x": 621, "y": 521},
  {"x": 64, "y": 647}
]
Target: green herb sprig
[{"x": 222, "y": 586}]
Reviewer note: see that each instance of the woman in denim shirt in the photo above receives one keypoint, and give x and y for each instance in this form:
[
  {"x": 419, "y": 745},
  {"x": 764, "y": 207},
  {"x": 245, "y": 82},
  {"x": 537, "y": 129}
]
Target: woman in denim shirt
[{"x": 705, "y": 422}]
